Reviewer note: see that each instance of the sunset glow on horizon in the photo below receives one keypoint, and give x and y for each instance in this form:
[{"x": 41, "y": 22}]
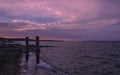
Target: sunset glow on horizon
[{"x": 61, "y": 19}]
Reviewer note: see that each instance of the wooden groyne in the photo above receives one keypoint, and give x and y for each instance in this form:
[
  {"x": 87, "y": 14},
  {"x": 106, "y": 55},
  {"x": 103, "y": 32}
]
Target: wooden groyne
[
  {"x": 37, "y": 49},
  {"x": 11, "y": 55},
  {"x": 25, "y": 60}
]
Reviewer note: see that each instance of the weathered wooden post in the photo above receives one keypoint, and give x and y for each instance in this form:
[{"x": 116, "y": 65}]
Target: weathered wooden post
[
  {"x": 37, "y": 49},
  {"x": 27, "y": 48}
]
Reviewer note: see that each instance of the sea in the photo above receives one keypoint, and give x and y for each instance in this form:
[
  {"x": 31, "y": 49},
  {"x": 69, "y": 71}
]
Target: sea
[{"x": 82, "y": 57}]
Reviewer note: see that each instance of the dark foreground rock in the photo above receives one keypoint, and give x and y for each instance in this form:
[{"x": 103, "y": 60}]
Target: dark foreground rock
[{"x": 9, "y": 61}]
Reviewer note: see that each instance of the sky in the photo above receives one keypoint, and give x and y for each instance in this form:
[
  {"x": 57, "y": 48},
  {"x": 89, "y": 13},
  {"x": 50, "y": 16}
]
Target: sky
[{"x": 61, "y": 19}]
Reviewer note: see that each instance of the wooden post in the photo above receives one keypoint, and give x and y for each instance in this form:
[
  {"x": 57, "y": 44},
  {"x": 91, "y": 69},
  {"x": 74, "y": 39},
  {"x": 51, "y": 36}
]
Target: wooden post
[
  {"x": 27, "y": 49},
  {"x": 37, "y": 49}
]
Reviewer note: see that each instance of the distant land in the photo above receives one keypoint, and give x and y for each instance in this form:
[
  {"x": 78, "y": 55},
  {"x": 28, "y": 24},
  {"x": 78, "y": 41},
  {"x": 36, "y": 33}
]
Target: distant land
[{"x": 23, "y": 39}]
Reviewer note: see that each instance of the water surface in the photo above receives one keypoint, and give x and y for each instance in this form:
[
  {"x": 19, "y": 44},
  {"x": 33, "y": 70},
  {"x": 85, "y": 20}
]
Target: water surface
[{"x": 83, "y": 58}]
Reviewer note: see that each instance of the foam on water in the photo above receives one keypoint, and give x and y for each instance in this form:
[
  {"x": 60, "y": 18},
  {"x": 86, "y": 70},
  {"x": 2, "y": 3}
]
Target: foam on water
[{"x": 31, "y": 68}]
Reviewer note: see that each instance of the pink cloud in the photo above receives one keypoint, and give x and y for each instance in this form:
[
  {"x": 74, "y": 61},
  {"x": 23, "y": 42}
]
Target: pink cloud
[{"x": 84, "y": 16}]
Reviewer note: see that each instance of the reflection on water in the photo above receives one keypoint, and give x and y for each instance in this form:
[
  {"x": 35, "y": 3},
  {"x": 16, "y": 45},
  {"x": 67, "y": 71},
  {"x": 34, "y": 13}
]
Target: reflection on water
[{"x": 31, "y": 68}]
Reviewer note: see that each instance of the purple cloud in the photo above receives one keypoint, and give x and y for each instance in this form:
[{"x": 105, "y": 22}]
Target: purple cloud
[{"x": 81, "y": 20}]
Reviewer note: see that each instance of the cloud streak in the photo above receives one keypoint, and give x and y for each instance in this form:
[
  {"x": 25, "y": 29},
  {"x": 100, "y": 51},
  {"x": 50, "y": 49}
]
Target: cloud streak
[{"x": 78, "y": 19}]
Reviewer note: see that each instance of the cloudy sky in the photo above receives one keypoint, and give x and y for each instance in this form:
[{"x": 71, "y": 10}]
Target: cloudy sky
[{"x": 61, "y": 19}]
